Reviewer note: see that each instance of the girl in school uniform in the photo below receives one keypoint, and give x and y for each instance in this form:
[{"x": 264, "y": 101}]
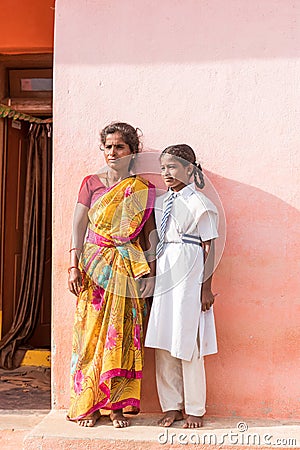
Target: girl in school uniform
[{"x": 181, "y": 325}]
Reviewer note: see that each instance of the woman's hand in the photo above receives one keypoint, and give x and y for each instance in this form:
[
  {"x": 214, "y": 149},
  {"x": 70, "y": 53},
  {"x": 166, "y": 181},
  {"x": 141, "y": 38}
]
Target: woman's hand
[
  {"x": 147, "y": 286},
  {"x": 75, "y": 281}
]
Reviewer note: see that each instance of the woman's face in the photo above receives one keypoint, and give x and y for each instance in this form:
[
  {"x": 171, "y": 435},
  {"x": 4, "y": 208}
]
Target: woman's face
[
  {"x": 116, "y": 152},
  {"x": 175, "y": 174}
]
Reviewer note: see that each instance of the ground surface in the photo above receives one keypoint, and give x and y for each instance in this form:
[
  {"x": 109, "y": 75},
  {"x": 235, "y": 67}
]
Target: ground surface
[
  {"x": 25, "y": 388},
  {"x": 24, "y": 402},
  {"x": 25, "y": 407}
]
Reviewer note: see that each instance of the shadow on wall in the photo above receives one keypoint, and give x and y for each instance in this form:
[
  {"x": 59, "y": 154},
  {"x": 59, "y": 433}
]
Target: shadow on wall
[
  {"x": 242, "y": 29},
  {"x": 257, "y": 312}
]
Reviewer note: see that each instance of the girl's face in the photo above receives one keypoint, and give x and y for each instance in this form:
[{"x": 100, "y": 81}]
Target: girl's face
[
  {"x": 116, "y": 152},
  {"x": 175, "y": 174}
]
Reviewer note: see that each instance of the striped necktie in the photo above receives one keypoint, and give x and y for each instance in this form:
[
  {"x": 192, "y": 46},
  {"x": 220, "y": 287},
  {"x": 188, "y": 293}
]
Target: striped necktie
[{"x": 163, "y": 225}]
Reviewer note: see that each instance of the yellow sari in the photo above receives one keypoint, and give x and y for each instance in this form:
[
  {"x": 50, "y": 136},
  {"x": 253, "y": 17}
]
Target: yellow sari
[{"x": 107, "y": 358}]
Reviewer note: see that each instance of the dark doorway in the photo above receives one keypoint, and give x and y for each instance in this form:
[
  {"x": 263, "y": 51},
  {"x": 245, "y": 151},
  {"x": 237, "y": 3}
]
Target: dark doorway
[{"x": 14, "y": 172}]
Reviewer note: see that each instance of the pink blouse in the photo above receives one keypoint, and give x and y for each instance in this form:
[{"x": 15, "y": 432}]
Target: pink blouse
[{"x": 91, "y": 189}]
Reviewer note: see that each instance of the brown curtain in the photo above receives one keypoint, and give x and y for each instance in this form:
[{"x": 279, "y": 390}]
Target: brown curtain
[{"x": 34, "y": 246}]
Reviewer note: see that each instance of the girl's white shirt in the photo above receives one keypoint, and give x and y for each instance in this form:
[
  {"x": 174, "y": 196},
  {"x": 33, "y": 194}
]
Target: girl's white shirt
[{"x": 176, "y": 320}]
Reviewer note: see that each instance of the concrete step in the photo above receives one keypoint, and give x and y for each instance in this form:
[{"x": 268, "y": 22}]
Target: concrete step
[
  {"x": 15, "y": 425},
  {"x": 55, "y": 432}
]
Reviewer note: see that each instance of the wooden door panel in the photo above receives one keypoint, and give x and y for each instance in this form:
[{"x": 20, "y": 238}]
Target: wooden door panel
[
  {"x": 12, "y": 240},
  {"x": 14, "y": 194},
  {"x": 42, "y": 333}
]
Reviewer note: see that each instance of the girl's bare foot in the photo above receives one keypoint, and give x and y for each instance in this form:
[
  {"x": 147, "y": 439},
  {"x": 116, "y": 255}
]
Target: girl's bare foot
[
  {"x": 170, "y": 417},
  {"x": 89, "y": 421},
  {"x": 193, "y": 422},
  {"x": 118, "y": 420}
]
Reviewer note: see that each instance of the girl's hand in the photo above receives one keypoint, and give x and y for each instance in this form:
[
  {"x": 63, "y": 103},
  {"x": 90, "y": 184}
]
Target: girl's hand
[
  {"x": 207, "y": 299},
  {"x": 75, "y": 281},
  {"x": 147, "y": 287}
]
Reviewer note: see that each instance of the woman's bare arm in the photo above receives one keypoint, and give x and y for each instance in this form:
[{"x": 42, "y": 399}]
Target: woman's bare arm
[
  {"x": 149, "y": 242},
  {"x": 80, "y": 222}
]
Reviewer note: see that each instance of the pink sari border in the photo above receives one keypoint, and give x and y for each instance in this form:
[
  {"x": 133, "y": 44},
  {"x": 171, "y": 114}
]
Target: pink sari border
[
  {"x": 148, "y": 210},
  {"x": 101, "y": 194},
  {"x": 124, "y": 403},
  {"x": 121, "y": 373},
  {"x": 98, "y": 239},
  {"x": 104, "y": 405},
  {"x": 92, "y": 259},
  {"x": 100, "y": 405}
]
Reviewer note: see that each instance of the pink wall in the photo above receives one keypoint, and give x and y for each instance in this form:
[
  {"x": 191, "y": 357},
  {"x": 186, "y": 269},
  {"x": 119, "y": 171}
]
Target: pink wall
[{"x": 223, "y": 77}]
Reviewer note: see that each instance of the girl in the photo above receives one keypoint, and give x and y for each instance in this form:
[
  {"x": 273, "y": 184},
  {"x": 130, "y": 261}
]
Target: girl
[{"x": 181, "y": 325}]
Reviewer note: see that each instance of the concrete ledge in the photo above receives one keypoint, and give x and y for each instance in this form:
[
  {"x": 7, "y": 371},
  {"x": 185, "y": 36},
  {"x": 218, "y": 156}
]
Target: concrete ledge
[
  {"x": 15, "y": 425},
  {"x": 55, "y": 432},
  {"x": 21, "y": 420}
]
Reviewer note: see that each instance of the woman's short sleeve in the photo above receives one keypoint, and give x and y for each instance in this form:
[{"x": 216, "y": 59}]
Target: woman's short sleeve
[{"x": 85, "y": 192}]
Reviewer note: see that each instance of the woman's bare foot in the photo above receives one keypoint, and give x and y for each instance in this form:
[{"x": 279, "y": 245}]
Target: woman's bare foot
[
  {"x": 170, "y": 417},
  {"x": 118, "y": 420},
  {"x": 89, "y": 421},
  {"x": 193, "y": 422}
]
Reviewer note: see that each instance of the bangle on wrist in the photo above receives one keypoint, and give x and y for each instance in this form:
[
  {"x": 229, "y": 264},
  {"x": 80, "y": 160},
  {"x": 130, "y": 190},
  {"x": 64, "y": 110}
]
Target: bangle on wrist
[
  {"x": 72, "y": 267},
  {"x": 74, "y": 248}
]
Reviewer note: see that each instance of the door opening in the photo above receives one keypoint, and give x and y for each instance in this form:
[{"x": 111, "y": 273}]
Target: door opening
[
  {"x": 21, "y": 181},
  {"x": 13, "y": 169}
]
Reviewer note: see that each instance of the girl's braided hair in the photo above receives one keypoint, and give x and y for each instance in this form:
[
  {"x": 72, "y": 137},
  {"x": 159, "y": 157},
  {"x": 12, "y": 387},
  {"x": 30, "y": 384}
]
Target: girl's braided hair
[{"x": 186, "y": 155}]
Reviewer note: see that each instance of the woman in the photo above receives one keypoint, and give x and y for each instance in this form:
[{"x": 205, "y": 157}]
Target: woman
[{"x": 111, "y": 276}]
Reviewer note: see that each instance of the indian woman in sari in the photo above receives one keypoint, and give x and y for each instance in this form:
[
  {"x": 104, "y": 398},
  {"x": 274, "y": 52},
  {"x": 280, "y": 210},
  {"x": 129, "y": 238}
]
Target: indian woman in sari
[{"x": 112, "y": 273}]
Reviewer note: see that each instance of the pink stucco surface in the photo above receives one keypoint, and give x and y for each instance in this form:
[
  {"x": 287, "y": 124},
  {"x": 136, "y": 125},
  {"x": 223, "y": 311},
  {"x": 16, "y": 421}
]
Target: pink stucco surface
[{"x": 222, "y": 76}]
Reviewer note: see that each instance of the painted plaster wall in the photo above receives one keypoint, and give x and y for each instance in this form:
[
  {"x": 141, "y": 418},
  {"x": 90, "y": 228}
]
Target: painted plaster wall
[
  {"x": 223, "y": 77},
  {"x": 27, "y": 26}
]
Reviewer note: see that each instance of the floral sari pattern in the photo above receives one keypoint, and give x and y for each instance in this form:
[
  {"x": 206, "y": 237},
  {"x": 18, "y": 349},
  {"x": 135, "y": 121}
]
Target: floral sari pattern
[{"x": 107, "y": 359}]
